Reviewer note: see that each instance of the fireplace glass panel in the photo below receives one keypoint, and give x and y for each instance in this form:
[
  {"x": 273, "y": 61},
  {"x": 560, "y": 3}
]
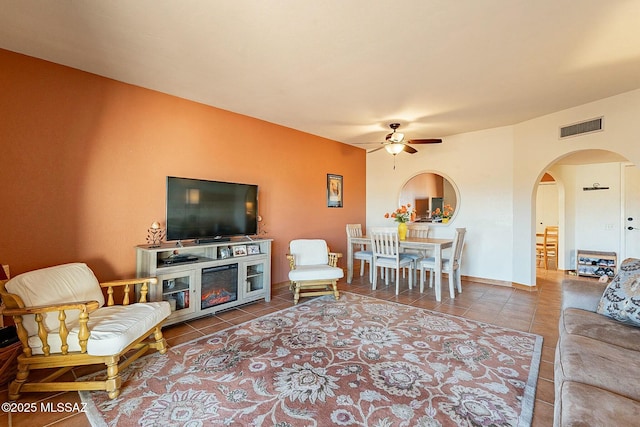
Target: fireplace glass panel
[{"x": 219, "y": 285}]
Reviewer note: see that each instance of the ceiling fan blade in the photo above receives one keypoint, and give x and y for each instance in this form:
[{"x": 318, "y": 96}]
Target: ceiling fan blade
[
  {"x": 425, "y": 141},
  {"x": 409, "y": 150},
  {"x": 375, "y": 149}
]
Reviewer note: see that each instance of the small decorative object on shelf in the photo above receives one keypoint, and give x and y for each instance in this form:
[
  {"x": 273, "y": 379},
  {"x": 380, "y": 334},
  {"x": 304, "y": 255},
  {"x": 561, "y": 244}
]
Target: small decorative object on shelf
[
  {"x": 262, "y": 227},
  {"x": 239, "y": 250},
  {"x": 442, "y": 215},
  {"x": 155, "y": 234},
  {"x": 224, "y": 252},
  {"x": 402, "y": 215}
]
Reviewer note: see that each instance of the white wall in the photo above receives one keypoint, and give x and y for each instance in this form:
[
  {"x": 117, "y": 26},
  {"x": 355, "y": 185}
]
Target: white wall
[
  {"x": 496, "y": 172},
  {"x": 546, "y": 206},
  {"x": 595, "y": 220},
  {"x": 479, "y": 164},
  {"x": 537, "y": 146}
]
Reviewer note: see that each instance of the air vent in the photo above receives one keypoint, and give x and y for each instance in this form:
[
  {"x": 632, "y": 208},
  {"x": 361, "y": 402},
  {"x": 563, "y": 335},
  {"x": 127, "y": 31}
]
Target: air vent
[{"x": 588, "y": 126}]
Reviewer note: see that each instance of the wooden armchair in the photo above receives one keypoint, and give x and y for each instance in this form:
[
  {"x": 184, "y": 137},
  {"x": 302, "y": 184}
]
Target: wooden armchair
[
  {"x": 314, "y": 269},
  {"x": 62, "y": 322}
]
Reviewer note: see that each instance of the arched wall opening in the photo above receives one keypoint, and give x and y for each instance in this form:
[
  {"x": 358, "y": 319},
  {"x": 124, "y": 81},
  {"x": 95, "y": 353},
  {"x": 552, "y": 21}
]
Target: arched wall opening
[{"x": 591, "y": 204}]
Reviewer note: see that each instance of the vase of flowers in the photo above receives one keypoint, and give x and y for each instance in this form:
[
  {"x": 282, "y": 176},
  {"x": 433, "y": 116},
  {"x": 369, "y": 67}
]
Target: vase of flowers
[
  {"x": 402, "y": 215},
  {"x": 442, "y": 215}
]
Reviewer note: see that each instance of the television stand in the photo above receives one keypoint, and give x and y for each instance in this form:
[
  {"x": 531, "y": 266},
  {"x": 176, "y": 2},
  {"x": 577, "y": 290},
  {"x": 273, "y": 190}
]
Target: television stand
[
  {"x": 212, "y": 240},
  {"x": 203, "y": 279}
]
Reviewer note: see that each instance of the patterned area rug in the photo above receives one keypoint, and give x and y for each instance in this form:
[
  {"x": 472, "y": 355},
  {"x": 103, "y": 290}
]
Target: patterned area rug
[{"x": 358, "y": 361}]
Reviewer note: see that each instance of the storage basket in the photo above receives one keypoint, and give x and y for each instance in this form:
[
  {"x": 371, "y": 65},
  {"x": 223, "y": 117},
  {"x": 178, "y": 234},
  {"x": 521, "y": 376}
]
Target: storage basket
[{"x": 9, "y": 362}]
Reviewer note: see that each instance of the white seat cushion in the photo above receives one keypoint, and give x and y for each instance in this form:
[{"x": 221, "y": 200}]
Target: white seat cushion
[
  {"x": 67, "y": 283},
  {"x": 315, "y": 272},
  {"x": 365, "y": 255},
  {"x": 391, "y": 262},
  {"x": 111, "y": 329},
  {"x": 431, "y": 263}
]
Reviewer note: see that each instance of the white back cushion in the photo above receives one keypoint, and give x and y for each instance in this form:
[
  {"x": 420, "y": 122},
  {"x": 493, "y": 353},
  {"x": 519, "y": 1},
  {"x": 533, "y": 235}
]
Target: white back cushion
[
  {"x": 309, "y": 251},
  {"x": 65, "y": 283}
]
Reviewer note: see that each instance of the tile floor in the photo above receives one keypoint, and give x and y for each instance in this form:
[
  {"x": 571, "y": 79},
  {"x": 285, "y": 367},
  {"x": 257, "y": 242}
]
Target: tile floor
[{"x": 533, "y": 311}]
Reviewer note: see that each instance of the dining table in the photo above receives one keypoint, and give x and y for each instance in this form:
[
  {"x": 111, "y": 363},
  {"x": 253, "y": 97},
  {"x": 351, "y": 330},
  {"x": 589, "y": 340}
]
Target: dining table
[{"x": 421, "y": 244}]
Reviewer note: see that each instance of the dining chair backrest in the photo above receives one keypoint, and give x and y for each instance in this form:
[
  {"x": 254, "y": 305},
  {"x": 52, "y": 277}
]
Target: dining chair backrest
[
  {"x": 551, "y": 236},
  {"x": 354, "y": 230},
  {"x": 420, "y": 231},
  {"x": 458, "y": 244},
  {"x": 385, "y": 242}
]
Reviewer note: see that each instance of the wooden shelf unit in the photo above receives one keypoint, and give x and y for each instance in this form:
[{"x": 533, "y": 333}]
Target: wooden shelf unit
[
  {"x": 213, "y": 280},
  {"x": 596, "y": 263}
]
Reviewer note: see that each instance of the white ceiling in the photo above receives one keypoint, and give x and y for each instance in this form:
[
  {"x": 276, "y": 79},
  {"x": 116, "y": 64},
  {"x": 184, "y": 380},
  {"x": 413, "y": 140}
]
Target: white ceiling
[{"x": 345, "y": 69}]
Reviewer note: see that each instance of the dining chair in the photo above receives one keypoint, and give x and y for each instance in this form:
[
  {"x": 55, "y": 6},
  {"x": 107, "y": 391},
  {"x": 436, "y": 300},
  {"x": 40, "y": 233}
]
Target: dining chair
[
  {"x": 363, "y": 255},
  {"x": 419, "y": 231},
  {"x": 539, "y": 249},
  {"x": 386, "y": 254},
  {"x": 451, "y": 266},
  {"x": 548, "y": 248}
]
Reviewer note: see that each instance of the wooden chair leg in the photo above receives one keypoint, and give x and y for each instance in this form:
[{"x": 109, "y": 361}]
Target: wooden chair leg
[
  {"x": 21, "y": 378},
  {"x": 114, "y": 381},
  {"x": 452, "y": 291},
  {"x": 296, "y": 294},
  {"x": 161, "y": 343},
  {"x": 336, "y": 294},
  {"x": 546, "y": 260},
  {"x": 397, "y": 281},
  {"x": 374, "y": 278}
]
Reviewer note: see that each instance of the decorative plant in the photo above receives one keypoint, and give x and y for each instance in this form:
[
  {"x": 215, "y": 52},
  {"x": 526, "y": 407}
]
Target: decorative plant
[
  {"x": 445, "y": 212},
  {"x": 404, "y": 213}
]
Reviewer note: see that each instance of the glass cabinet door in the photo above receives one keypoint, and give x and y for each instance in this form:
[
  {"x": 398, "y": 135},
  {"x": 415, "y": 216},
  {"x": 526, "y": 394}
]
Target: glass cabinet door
[
  {"x": 255, "y": 278},
  {"x": 177, "y": 289}
]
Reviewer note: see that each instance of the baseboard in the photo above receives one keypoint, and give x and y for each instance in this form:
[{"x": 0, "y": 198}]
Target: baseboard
[
  {"x": 486, "y": 281},
  {"x": 524, "y": 287}
]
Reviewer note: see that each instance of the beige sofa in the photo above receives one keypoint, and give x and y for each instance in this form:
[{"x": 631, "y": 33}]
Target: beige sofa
[{"x": 597, "y": 362}]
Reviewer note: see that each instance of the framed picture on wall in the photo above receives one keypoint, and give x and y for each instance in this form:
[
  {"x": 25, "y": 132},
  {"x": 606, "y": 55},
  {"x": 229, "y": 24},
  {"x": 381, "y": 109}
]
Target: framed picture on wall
[{"x": 334, "y": 191}]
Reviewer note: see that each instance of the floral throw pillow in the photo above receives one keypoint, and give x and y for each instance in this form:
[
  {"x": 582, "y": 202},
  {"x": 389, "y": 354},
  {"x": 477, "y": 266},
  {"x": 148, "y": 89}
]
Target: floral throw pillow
[{"x": 621, "y": 298}]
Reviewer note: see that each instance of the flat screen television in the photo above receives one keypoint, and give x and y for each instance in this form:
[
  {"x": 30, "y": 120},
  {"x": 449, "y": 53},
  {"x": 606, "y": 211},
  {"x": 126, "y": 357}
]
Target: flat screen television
[{"x": 200, "y": 209}]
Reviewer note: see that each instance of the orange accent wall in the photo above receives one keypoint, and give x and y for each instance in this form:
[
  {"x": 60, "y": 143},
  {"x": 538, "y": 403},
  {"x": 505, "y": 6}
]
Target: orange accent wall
[
  {"x": 547, "y": 178},
  {"x": 84, "y": 162}
]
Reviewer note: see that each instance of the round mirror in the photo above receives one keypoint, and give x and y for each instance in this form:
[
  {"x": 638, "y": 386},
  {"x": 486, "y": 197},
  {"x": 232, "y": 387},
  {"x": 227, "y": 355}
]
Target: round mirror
[{"x": 432, "y": 195}]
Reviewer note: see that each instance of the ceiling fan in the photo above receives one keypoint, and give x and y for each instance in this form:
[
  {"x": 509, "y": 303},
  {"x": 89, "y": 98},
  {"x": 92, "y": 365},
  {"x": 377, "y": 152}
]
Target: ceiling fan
[{"x": 395, "y": 143}]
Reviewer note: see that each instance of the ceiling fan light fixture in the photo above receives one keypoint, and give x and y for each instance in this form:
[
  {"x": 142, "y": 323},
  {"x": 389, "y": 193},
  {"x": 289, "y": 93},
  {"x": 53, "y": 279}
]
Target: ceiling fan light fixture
[
  {"x": 396, "y": 137},
  {"x": 394, "y": 148}
]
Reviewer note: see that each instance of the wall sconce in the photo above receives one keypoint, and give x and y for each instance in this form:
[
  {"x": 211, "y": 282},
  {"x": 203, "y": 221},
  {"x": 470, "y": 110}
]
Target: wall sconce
[{"x": 155, "y": 234}]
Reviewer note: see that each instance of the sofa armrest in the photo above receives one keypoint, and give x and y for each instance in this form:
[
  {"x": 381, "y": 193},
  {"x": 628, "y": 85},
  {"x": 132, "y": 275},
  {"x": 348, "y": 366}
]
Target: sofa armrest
[{"x": 582, "y": 294}]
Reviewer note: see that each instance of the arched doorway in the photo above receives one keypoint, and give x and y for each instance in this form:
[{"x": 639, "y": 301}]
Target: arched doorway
[{"x": 591, "y": 203}]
